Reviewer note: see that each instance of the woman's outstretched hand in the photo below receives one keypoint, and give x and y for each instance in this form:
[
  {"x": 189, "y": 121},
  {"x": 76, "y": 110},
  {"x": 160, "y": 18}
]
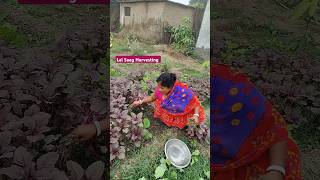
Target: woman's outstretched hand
[
  {"x": 135, "y": 104},
  {"x": 85, "y": 132},
  {"x": 194, "y": 120}
]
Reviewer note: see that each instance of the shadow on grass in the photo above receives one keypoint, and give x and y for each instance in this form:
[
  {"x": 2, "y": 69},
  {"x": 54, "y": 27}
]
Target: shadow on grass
[{"x": 143, "y": 162}]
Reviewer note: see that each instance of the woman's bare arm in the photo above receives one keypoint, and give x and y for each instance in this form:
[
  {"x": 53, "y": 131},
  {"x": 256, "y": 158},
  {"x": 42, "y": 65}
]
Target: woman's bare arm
[
  {"x": 196, "y": 110},
  {"x": 149, "y": 99},
  {"x": 278, "y": 154}
]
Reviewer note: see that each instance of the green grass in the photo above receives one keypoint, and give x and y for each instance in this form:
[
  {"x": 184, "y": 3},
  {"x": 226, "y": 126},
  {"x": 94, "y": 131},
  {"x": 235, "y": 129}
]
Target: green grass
[
  {"x": 144, "y": 167},
  {"x": 39, "y": 12},
  {"x": 194, "y": 73},
  {"x": 195, "y": 171},
  {"x": 307, "y": 134},
  {"x": 246, "y": 36},
  {"x": 3, "y": 16},
  {"x": 11, "y": 35},
  {"x": 12, "y": 2},
  {"x": 114, "y": 73},
  {"x": 148, "y": 48},
  {"x": 119, "y": 49},
  {"x": 135, "y": 48},
  {"x": 143, "y": 162},
  {"x": 138, "y": 51}
]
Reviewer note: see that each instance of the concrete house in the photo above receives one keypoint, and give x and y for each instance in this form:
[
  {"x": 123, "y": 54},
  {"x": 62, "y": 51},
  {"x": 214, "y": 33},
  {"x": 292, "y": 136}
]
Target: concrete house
[
  {"x": 148, "y": 17},
  {"x": 203, "y": 42}
]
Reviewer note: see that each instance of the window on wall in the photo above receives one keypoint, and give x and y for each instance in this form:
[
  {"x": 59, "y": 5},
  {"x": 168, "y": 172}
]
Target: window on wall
[{"x": 127, "y": 11}]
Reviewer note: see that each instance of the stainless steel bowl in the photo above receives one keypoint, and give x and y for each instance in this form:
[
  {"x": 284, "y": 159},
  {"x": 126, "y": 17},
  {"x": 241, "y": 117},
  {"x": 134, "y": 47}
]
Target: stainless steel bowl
[{"x": 178, "y": 153}]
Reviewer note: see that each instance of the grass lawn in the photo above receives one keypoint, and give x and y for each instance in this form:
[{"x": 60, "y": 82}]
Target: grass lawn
[{"x": 143, "y": 162}]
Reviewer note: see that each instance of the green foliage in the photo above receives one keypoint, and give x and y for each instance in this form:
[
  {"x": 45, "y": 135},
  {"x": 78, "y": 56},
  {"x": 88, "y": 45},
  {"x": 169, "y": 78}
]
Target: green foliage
[
  {"x": 114, "y": 73},
  {"x": 207, "y": 173},
  {"x": 3, "y": 15},
  {"x": 198, "y": 3},
  {"x": 161, "y": 169},
  {"x": 194, "y": 73},
  {"x": 117, "y": 46},
  {"x": 195, "y": 157},
  {"x": 307, "y": 134},
  {"x": 10, "y": 34},
  {"x": 147, "y": 135},
  {"x": 183, "y": 37},
  {"x": 12, "y": 2},
  {"x": 148, "y": 82},
  {"x": 138, "y": 51},
  {"x": 146, "y": 123},
  {"x": 39, "y": 12},
  {"x": 199, "y": 169},
  {"x": 165, "y": 66},
  {"x": 206, "y": 64},
  {"x": 251, "y": 36},
  {"x": 196, "y": 153},
  {"x": 173, "y": 175},
  {"x": 234, "y": 50},
  {"x": 306, "y": 8},
  {"x": 111, "y": 39}
]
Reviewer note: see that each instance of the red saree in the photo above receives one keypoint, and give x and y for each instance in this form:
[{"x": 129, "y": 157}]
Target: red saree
[
  {"x": 180, "y": 96},
  {"x": 251, "y": 158}
]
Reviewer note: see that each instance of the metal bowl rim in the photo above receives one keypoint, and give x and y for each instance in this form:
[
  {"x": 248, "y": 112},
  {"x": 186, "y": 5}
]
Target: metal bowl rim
[{"x": 189, "y": 153}]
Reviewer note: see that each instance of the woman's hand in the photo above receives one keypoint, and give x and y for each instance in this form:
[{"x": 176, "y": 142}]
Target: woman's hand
[
  {"x": 85, "y": 131},
  {"x": 135, "y": 104},
  {"x": 194, "y": 120},
  {"x": 271, "y": 175}
]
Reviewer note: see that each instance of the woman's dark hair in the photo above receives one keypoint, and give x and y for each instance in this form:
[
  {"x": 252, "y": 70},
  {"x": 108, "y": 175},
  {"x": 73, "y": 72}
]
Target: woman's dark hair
[{"x": 167, "y": 79}]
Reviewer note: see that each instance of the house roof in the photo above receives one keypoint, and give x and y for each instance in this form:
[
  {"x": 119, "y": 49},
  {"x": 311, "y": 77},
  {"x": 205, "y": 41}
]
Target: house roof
[{"x": 171, "y": 2}]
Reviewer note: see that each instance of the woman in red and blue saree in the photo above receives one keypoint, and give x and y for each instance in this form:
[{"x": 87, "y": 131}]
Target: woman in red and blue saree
[
  {"x": 249, "y": 138},
  {"x": 175, "y": 104}
]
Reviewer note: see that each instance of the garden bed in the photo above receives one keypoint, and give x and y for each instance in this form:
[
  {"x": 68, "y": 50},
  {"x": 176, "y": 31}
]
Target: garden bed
[
  {"x": 48, "y": 91},
  {"x": 147, "y": 161}
]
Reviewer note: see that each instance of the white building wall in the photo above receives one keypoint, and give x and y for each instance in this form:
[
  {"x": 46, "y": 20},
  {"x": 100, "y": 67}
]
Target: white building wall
[{"x": 204, "y": 34}]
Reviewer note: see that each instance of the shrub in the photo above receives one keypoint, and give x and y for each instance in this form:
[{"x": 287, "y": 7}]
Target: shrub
[{"x": 183, "y": 38}]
